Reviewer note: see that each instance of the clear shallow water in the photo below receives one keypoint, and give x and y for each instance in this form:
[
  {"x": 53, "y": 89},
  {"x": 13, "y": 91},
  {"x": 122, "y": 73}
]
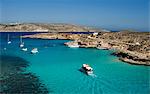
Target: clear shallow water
[{"x": 57, "y": 67}]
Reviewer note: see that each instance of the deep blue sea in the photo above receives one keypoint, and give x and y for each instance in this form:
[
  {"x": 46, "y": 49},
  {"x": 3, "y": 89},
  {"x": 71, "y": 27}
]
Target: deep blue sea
[{"x": 57, "y": 66}]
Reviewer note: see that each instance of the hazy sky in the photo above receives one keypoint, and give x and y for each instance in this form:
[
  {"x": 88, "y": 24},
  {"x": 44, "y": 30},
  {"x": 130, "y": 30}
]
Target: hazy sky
[{"x": 110, "y": 14}]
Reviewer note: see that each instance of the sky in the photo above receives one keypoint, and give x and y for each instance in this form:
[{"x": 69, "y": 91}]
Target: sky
[{"x": 110, "y": 14}]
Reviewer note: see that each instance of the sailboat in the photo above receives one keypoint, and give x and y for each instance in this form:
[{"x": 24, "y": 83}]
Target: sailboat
[
  {"x": 8, "y": 41},
  {"x": 21, "y": 43}
]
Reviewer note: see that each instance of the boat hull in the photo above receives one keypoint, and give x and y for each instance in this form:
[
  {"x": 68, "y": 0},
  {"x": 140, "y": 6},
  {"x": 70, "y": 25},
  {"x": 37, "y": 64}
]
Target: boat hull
[
  {"x": 24, "y": 49},
  {"x": 85, "y": 72}
]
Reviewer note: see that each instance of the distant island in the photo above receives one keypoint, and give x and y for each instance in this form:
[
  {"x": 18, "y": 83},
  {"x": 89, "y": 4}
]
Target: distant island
[{"x": 42, "y": 27}]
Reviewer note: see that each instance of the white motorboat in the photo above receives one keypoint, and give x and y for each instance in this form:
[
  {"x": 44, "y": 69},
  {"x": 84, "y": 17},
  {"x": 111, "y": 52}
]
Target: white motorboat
[
  {"x": 8, "y": 40},
  {"x": 24, "y": 49},
  {"x": 34, "y": 51},
  {"x": 75, "y": 45},
  {"x": 86, "y": 69}
]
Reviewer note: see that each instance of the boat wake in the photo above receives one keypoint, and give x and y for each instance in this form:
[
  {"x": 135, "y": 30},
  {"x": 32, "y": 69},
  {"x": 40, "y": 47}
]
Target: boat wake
[{"x": 93, "y": 75}]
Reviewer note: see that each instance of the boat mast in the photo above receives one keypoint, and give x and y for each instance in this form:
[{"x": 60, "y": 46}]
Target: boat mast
[
  {"x": 20, "y": 39},
  {"x": 8, "y": 37}
]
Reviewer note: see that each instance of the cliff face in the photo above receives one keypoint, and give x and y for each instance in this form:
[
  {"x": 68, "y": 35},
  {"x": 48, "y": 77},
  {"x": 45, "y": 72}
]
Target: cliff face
[{"x": 46, "y": 28}]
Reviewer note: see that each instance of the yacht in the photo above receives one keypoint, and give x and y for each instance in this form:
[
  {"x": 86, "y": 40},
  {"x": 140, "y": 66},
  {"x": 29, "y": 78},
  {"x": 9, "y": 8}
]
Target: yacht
[
  {"x": 8, "y": 40},
  {"x": 86, "y": 69},
  {"x": 34, "y": 51},
  {"x": 21, "y": 43},
  {"x": 74, "y": 45}
]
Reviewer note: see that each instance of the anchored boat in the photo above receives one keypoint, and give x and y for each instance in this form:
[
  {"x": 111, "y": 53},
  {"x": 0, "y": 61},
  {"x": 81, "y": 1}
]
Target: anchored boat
[
  {"x": 8, "y": 40},
  {"x": 34, "y": 51},
  {"x": 21, "y": 43},
  {"x": 24, "y": 49},
  {"x": 73, "y": 46}
]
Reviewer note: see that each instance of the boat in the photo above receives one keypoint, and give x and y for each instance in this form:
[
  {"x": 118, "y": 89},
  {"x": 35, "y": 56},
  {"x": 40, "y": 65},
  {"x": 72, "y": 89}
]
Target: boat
[
  {"x": 34, "y": 51},
  {"x": 8, "y": 41},
  {"x": 21, "y": 43},
  {"x": 102, "y": 48},
  {"x": 74, "y": 45},
  {"x": 24, "y": 49},
  {"x": 86, "y": 69},
  {"x": 95, "y": 33}
]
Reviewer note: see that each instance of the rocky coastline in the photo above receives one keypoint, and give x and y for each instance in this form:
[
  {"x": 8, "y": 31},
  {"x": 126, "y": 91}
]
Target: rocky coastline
[{"x": 131, "y": 47}]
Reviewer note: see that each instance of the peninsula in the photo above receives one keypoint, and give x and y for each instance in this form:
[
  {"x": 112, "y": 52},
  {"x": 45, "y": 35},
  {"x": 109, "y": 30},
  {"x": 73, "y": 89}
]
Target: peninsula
[{"x": 130, "y": 47}]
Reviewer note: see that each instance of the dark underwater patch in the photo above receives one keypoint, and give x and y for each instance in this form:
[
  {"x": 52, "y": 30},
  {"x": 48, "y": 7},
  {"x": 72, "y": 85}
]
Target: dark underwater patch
[{"x": 15, "y": 80}]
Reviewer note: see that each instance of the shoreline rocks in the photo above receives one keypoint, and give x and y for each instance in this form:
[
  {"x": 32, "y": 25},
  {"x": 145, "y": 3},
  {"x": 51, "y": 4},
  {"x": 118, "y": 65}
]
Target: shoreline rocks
[
  {"x": 134, "y": 44},
  {"x": 132, "y": 59}
]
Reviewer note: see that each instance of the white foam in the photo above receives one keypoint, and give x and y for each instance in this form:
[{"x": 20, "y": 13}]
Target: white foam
[{"x": 93, "y": 75}]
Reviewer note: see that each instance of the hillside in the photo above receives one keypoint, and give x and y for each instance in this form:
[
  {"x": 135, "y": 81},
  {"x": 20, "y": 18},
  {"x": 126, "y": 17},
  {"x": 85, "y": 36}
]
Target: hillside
[{"x": 37, "y": 27}]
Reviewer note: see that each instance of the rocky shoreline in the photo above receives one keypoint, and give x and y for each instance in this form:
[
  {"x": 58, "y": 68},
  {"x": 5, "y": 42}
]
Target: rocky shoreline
[{"x": 131, "y": 47}]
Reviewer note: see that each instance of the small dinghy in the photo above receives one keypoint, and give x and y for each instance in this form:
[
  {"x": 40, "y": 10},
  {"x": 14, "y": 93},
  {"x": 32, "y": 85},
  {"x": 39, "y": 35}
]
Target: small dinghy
[
  {"x": 86, "y": 69},
  {"x": 34, "y": 51},
  {"x": 24, "y": 49}
]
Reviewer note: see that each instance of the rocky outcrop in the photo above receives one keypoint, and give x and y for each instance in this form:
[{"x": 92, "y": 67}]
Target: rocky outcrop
[
  {"x": 132, "y": 58},
  {"x": 133, "y": 47}
]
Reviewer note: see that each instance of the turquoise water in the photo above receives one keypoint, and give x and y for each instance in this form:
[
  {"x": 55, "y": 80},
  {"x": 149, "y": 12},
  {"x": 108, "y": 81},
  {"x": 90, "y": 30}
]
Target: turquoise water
[{"x": 57, "y": 67}]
